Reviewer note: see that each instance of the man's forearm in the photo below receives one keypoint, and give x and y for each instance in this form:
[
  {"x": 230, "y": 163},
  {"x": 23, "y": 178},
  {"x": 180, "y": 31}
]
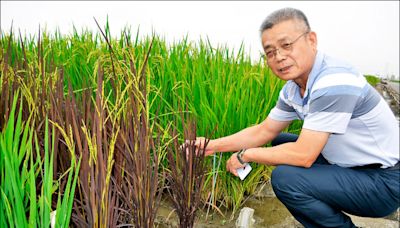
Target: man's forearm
[
  {"x": 249, "y": 137},
  {"x": 286, "y": 153},
  {"x": 303, "y": 152}
]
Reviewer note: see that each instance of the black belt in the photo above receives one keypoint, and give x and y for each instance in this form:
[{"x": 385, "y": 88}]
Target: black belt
[
  {"x": 395, "y": 167},
  {"x": 377, "y": 166}
]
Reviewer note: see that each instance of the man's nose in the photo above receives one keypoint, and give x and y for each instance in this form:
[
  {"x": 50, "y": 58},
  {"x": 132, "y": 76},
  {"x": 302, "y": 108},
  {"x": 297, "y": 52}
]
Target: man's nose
[{"x": 279, "y": 56}]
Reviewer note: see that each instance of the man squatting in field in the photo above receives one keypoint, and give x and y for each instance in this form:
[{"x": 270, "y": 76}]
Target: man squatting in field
[{"x": 346, "y": 158}]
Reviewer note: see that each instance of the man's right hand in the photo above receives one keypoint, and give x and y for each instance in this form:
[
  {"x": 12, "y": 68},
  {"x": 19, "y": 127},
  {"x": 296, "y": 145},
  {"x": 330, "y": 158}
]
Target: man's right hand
[{"x": 200, "y": 141}]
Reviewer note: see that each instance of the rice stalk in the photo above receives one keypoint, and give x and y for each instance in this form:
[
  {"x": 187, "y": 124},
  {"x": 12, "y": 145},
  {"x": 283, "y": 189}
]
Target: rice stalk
[{"x": 186, "y": 178}]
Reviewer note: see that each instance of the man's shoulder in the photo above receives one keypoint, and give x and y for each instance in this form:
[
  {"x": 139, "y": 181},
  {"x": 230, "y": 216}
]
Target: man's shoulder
[
  {"x": 289, "y": 88},
  {"x": 332, "y": 65},
  {"x": 338, "y": 74}
]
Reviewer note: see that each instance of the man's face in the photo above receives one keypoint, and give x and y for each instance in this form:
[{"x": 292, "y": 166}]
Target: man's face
[{"x": 290, "y": 50}]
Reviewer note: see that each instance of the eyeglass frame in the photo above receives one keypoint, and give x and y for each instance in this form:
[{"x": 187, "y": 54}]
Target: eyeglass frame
[{"x": 289, "y": 48}]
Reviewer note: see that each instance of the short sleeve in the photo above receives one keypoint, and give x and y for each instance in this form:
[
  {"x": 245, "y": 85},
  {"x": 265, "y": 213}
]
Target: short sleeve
[{"x": 283, "y": 111}]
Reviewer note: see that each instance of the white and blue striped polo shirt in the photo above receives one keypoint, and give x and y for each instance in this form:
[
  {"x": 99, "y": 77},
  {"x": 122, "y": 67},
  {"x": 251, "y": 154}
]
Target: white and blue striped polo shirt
[{"x": 339, "y": 100}]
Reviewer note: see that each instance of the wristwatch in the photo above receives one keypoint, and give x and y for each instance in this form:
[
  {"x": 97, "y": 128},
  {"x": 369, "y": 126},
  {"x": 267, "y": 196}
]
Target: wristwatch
[{"x": 239, "y": 156}]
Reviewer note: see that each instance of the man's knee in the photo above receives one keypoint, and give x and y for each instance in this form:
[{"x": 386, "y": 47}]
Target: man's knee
[
  {"x": 284, "y": 138},
  {"x": 283, "y": 178}
]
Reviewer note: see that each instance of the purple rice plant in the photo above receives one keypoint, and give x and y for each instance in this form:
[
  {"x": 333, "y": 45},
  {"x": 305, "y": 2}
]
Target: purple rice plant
[
  {"x": 139, "y": 173},
  {"x": 187, "y": 174},
  {"x": 136, "y": 169}
]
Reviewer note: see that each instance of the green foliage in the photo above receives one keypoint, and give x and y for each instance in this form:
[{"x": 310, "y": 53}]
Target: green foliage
[
  {"x": 27, "y": 185},
  {"x": 373, "y": 80},
  {"x": 223, "y": 90}
]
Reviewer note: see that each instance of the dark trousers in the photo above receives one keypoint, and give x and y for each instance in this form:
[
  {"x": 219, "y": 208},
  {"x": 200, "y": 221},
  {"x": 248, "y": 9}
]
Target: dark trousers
[{"x": 318, "y": 196}]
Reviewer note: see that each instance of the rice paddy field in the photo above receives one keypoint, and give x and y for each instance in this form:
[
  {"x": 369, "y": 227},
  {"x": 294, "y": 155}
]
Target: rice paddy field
[{"x": 91, "y": 127}]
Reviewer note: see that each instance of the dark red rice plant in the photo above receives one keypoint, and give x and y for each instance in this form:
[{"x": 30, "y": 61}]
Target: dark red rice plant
[{"x": 187, "y": 173}]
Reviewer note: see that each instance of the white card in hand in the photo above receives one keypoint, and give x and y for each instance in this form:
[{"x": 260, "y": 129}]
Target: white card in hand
[{"x": 244, "y": 171}]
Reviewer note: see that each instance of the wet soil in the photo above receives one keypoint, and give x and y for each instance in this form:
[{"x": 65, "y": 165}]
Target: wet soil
[{"x": 268, "y": 212}]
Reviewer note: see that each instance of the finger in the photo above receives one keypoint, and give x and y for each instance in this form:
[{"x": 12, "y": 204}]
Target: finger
[
  {"x": 234, "y": 172},
  {"x": 209, "y": 152},
  {"x": 227, "y": 165},
  {"x": 199, "y": 141},
  {"x": 187, "y": 153}
]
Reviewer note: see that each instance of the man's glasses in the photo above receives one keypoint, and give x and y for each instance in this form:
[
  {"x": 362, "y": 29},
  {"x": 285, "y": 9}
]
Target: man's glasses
[{"x": 284, "y": 49}]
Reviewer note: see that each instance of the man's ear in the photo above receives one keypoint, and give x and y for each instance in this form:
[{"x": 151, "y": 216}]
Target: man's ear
[{"x": 312, "y": 38}]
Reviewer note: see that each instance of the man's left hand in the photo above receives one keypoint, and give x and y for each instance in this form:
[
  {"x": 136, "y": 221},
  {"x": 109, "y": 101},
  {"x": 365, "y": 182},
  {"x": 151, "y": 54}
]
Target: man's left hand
[{"x": 233, "y": 164}]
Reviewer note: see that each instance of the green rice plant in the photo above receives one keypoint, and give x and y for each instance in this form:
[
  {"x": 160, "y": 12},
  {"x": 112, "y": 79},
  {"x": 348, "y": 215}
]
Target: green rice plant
[
  {"x": 23, "y": 171},
  {"x": 15, "y": 149},
  {"x": 65, "y": 199}
]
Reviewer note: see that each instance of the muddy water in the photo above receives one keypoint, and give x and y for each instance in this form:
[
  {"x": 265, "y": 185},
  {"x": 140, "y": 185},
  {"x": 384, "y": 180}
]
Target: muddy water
[{"x": 268, "y": 212}]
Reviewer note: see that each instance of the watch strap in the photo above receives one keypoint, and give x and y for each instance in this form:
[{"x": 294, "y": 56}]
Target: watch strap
[{"x": 239, "y": 156}]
